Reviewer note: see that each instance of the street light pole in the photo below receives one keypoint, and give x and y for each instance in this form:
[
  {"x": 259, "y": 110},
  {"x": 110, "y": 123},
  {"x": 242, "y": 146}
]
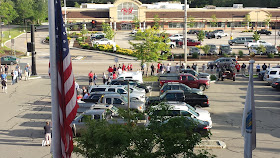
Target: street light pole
[
  {"x": 231, "y": 26},
  {"x": 1, "y": 30},
  {"x": 185, "y": 33},
  {"x": 275, "y": 29},
  {"x": 257, "y": 19}
]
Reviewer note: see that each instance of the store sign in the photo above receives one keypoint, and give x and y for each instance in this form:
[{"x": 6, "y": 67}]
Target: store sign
[{"x": 127, "y": 11}]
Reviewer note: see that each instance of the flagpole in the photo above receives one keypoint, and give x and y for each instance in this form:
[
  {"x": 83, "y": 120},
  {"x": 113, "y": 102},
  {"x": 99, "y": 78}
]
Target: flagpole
[{"x": 55, "y": 146}]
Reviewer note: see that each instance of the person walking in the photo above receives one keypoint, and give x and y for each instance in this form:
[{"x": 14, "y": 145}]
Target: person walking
[
  {"x": 6, "y": 68},
  {"x": 258, "y": 67},
  {"x": 27, "y": 71},
  {"x": 13, "y": 78},
  {"x": 168, "y": 68},
  {"x": 104, "y": 78},
  {"x": 15, "y": 75},
  {"x": 4, "y": 82},
  {"x": 158, "y": 67},
  {"x": 152, "y": 69},
  {"x": 177, "y": 67},
  {"x": 95, "y": 78},
  {"x": 243, "y": 68},
  {"x": 237, "y": 66},
  {"x": 264, "y": 67},
  {"x": 90, "y": 78},
  {"x": 203, "y": 68},
  {"x": 47, "y": 129},
  {"x": 114, "y": 75}
]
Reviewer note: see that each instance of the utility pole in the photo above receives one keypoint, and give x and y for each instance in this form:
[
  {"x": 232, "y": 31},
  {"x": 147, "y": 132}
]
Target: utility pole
[
  {"x": 275, "y": 30},
  {"x": 65, "y": 21},
  {"x": 1, "y": 30},
  {"x": 33, "y": 50},
  {"x": 185, "y": 33}
]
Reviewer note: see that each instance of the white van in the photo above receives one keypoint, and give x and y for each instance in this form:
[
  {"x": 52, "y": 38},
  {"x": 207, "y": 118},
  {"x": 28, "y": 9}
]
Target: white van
[
  {"x": 271, "y": 74},
  {"x": 137, "y": 76}
]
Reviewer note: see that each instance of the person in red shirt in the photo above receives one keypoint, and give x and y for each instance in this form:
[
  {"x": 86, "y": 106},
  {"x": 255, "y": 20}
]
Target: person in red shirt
[
  {"x": 130, "y": 67},
  {"x": 158, "y": 67},
  {"x": 90, "y": 78},
  {"x": 237, "y": 66},
  {"x": 110, "y": 70},
  {"x": 114, "y": 75},
  {"x": 123, "y": 67}
]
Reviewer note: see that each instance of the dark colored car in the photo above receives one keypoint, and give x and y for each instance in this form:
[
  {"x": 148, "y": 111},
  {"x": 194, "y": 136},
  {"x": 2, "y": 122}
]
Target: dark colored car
[
  {"x": 271, "y": 50},
  {"x": 223, "y": 61},
  {"x": 179, "y": 86},
  {"x": 227, "y": 74},
  {"x": 276, "y": 84},
  {"x": 264, "y": 31},
  {"x": 9, "y": 60},
  {"x": 213, "y": 49},
  {"x": 192, "y": 99},
  {"x": 192, "y": 31},
  {"x": 132, "y": 83},
  {"x": 225, "y": 49},
  {"x": 196, "y": 74},
  {"x": 210, "y": 35}
]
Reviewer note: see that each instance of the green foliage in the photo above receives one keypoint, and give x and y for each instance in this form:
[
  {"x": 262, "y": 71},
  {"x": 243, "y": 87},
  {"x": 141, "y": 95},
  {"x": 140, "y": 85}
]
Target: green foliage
[
  {"x": 75, "y": 27},
  {"x": 109, "y": 32},
  {"x": 256, "y": 36},
  {"x": 213, "y": 22},
  {"x": 200, "y": 36},
  {"x": 206, "y": 49},
  {"x": 7, "y": 11},
  {"x": 191, "y": 22},
  {"x": 156, "y": 21},
  {"x": 233, "y": 54},
  {"x": 136, "y": 22},
  {"x": 247, "y": 19},
  {"x": 213, "y": 77},
  {"x": 76, "y": 5},
  {"x": 225, "y": 55},
  {"x": 40, "y": 9},
  {"x": 241, "y": 54},
  {"x": 261, "y": 49},
  {"x": 195, "y": 55},
  {"x": 47, "y": 38},
  {"x": 270, "y": 55},
  {"x": 163, "y": 137},
  {"x": 268, "y": 18}
]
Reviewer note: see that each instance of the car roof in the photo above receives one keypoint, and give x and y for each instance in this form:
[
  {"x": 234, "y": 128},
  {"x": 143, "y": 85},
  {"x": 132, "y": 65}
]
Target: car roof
[
  {"x": 174, "y": 91},
  {"x": 113, "y": 95},
  {"x": 173, "y": 83},
  {"x": 225, "y": 45},
  {"x": 102, "y": 93},
  {"x": 107, "y": 86},
  {"x": 94, "y": 111}
]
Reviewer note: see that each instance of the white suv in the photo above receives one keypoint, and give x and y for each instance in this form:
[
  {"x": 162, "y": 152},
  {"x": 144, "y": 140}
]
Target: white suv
[{"x": 271, "y": 74}]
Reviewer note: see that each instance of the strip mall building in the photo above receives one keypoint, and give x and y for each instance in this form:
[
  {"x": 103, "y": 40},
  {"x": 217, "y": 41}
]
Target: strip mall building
[{"x": 120, "y": 15}]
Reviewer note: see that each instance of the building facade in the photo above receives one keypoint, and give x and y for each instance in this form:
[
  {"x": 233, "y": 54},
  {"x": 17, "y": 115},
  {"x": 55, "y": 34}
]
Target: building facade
[{"x": 120, "y": 16}]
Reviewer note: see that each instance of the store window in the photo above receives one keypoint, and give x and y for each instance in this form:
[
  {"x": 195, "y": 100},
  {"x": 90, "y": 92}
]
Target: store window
[
  {"x": 175, "y": 25},
  {"x": 127, "y": 11}
]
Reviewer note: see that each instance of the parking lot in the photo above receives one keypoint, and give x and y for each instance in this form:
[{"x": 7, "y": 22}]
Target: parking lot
[{"x": 122, "y": 38}]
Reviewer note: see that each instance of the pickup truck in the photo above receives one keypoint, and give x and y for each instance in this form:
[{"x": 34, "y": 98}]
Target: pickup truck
[
  {"x": 196, "y": 74},
  {"x": 264, "y": 31},
  {"x": 257, "y": 43},
  {"x": 192, "y": 99},
  {"x": 114, "y": 99},
  {"x": 187, "y": 79}
]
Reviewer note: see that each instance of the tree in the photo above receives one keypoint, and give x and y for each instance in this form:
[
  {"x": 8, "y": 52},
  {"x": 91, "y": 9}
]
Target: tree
[
  {"x": 76, "y": 5},
  {"x": 152, "y": 46},
  {"x": 200, "y": 36},
  {"x": 109, "y": 32},
  {"x": 162, "y": 137},
  {"x": 267, "y": 20},
  {"x": 24, "y": 11},
  {"x": 156, "y": 21},
  {"x": 136, "y": 22},
  {"x": 84, "y": 31},
  {"x": 247, "y": 21},
  {"x": 261, "y": 49},
  {"x": 40, "y": 10},
  {"x": 256, "y": 36},
  {"x": 7, "y": 11},
  {"x": 213, "y": 22},
  {"x": 191, "y": 22},
  {"x": 206, "y": 49}
]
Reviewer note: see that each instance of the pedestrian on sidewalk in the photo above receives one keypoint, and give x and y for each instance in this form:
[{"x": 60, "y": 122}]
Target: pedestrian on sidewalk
[
  {"x": 90, "y": 78},
  {"x": 13, "y": 77},
  {"x": 47, "y": 129},
  {"x": 152, "y": 69},
  {"x": 95, "y": 78},
  {"x": 114, "y": 75},
  {"x": 6, "y": 68},
  {"x": 243, "y": 68},
  {"x": 264, "y": 67},
  {"x": 4, "y": 82},
  {"x": 104, "y": 78},
  {"x": 27, "y": 71},
  {"x": 237, "y": 66},
  {"x": 258, "y": 67}
]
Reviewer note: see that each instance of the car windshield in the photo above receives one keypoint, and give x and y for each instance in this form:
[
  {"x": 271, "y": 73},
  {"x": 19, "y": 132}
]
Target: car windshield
[
  {"x": 212, "y": 46},
  {"x": 193, "y": 112},
  {"x": 225, "y": 47},
  {"x": 270, "y": 47},
  {"x": 124, "y": 99}
]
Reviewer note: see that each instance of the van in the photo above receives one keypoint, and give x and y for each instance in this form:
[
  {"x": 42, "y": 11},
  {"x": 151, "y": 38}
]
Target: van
[
  {"x": 136, "y": 76},
  {"x": 240, "y": 40},
  {"x": 97, "y": 36},
  {"x": 271, "y": 74},
  {"x": 134, "y": 95}
]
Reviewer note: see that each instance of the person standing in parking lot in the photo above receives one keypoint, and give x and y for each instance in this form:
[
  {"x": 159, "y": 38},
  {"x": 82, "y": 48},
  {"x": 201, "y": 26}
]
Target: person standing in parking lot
[
  {"x": 47, "y": 129},
  {"x": 152, "y": 69},
  {"x": 237, "y": 66},
  {"x": 258, "y": 67},
  {"x": 203, "y": 68},
  {"x": 95, "y": 78},
  {"x": 6, "y": 68},
  {"x": 264, "y": 67},
  {"x": 90, "y": 78},
  {"x": 4, "y": 82},
  {"x": 243, "y": 68}
]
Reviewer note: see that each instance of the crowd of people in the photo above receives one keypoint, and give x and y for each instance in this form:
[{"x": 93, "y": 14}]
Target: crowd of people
[{"x": 15, "y": 74}]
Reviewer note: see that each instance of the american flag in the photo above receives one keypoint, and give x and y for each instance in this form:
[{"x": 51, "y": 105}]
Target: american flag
[{"x": 67, "y": 97}]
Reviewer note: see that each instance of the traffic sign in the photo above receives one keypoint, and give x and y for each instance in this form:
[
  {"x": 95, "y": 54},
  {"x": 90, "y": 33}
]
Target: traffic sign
[{"x": 116, "y": 59}]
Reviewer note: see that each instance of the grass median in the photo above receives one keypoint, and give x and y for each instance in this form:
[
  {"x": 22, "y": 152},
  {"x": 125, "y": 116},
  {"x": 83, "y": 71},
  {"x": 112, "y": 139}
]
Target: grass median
[{"x": 150, "y": 78}]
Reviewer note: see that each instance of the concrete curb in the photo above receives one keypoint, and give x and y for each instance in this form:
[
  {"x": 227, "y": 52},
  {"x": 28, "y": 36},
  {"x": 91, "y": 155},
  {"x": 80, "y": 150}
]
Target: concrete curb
[
  {"x": 211, "y": 144},
  {"x": 107, "y": 53},
  {"x": 36, "y": 77},
  {"x": 14, "y": 38}
]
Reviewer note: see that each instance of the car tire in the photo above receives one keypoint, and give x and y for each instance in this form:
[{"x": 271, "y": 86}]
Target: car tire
[{"x": 202, "y": 87}]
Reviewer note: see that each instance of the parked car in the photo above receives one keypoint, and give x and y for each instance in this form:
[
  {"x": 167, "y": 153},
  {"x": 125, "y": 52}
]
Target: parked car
[
  {"x": 227, "y": 74},
  {"x": 179, "y": 86},
  {"x": 176, "y": 37},
  {"x": 223, "y": 60},
  {"x": 240, "y": 40},
  {"x": 97, "y": 36},
  {"x": 196, "y": 74},
  {"x": 257, "y": 43},
  {"x": 172, "y": 44},
  {"x": 210, "y": 35},
  {"x": 271, "y": 74},
  {"x": 184, "y": 109},
  {"x": 187, "y": 79},
  {"x": 276, "y": 84},
  {"x": 194, "y": 50},
  {"x": 213, "y": 49},
  {"x": 220, "y": 34},
  {"x": 264, "y": 31},
  {"x": 136, "y": 76},
  {"x": 271, "y": 49},
  {"x": 104, "y": 41},
  {"x": 9, "y": 60},
  {"x": 178, "y": 95},
  {"x": 225, "y": 49},
  {"x": 192, "y": 42},
  {"x": 134, "y": 93},
  {"x": 79, "y": 123},
  {"x": 192, "y": 31},
  {"x": 132, "y": 83}
]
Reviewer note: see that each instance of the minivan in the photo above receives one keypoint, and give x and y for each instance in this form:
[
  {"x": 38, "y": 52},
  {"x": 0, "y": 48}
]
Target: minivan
[
  {"x": 240, "y": 40},
  {"x": 271, "y": 74}
]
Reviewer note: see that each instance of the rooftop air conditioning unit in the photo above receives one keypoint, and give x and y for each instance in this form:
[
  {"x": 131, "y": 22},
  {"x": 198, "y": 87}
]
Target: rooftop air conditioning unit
[
  {"x": 210, "y": 7},
  {"x": 237, "y": 5}
]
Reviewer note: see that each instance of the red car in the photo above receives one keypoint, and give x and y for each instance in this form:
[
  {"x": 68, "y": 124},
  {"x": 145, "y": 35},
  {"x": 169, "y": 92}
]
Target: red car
[
  {"x": 191, "y": 42},
  {"x": 187, "y": 79}
]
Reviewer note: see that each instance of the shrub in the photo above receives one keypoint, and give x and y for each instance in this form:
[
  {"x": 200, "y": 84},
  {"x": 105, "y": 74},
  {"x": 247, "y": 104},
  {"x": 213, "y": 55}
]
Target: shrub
[
  {"x": 270, "y": 55},
  {"x": 241, "y": 54},
  {"x": 233, "y": 54},
  {"x": 47, "y": 38},
  {"x": 213, "y": 77},
  {"x": 225, "y": 55},
  {"x": 195, "y": 55}
]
